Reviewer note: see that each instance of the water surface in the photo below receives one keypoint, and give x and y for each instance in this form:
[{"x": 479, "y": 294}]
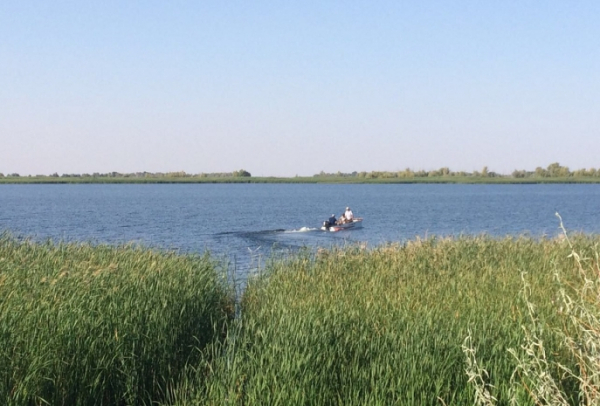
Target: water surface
[{"x": 243, "y": 221}]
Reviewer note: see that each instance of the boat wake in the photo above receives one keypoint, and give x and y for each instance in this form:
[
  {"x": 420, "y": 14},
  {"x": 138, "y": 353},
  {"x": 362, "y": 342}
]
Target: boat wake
[
  {"x": 266, "y": 232},
  {"x": 277, "y": 230},
  {"x": 302, "y": 230}
]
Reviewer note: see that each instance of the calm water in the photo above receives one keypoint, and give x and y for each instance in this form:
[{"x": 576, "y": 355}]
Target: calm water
[{"x": 247, "y": 221}]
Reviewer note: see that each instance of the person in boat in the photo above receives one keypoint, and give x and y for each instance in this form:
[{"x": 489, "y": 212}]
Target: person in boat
[
  {"x": 349, "y": 215},
  {"x": 332, "y": 220}
]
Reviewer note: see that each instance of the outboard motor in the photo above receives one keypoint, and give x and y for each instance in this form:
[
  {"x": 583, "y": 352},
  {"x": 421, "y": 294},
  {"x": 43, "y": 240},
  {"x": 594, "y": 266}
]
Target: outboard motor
[{"x": 326, "y": 224}]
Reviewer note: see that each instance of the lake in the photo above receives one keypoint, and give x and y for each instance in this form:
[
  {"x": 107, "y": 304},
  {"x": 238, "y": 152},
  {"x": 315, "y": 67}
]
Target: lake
[{"x": 246, "y": 222}]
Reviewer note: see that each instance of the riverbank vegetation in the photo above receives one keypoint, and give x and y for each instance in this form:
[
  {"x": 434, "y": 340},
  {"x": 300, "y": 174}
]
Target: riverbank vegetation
[
  {"x": 101, "y": 325},
  {"x": 469, "y": 320},
  {"x": 554, "y": 173},
  {"x": 390, "y": 326}
]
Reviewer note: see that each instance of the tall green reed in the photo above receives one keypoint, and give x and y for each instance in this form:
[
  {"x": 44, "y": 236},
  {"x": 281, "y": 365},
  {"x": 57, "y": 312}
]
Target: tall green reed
[
  {"x": 543, "y": 378},
  {"x": 385, "y": 325},
  {"x": 101, "y": 325}
]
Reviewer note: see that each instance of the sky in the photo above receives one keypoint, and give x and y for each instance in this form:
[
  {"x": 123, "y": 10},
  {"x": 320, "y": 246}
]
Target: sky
[{"x": 296, "y": 88}]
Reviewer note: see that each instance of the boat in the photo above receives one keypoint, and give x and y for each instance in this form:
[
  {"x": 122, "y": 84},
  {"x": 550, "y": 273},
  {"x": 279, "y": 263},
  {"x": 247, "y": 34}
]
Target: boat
[{"x": 355, "y": 223}]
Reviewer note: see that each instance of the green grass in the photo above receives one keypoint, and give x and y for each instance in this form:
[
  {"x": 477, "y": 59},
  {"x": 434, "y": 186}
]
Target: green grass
[
  {"x": 102, "y": 325},
  {"x": 387, "y": 326},
  {"x": 435, "y": 321}
]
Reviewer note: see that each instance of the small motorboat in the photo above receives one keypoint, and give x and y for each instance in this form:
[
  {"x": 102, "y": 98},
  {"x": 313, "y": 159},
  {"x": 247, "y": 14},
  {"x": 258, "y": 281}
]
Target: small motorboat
[{"x": 356, "y": 223}]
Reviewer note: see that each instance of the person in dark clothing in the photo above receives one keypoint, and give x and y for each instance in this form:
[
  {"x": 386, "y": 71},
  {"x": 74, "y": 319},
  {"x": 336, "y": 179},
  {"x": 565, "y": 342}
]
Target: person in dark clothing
[{"x": 332, "y": 220}]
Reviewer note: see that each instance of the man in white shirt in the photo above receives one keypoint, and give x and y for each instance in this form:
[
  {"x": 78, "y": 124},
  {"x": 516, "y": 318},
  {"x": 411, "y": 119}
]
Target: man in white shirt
[{"x": 348, "y": 214}]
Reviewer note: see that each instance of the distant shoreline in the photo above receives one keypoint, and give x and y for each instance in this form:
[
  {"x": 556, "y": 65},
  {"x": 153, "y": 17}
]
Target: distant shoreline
[{"x": 304, "y": 180}]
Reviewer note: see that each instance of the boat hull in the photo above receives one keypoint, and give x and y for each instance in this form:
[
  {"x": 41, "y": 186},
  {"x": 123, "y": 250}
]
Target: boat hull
[{"x": 356, "y": 223}]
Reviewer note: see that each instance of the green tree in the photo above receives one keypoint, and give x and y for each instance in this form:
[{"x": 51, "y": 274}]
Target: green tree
[
  {"x": 554, "y": 170},
  {"x": 243, "y": 173},
  {"x": 541, "y": 172}
]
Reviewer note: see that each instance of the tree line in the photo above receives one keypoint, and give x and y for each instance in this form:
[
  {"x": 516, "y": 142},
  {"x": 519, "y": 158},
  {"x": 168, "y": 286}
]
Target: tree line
[
  {"x": 554, "y": 170},
  {"x": 138, "y": 175}
]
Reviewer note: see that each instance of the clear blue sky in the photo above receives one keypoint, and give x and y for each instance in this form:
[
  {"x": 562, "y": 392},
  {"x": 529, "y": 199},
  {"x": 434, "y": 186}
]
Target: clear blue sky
[{"x": 295, "y": 88}]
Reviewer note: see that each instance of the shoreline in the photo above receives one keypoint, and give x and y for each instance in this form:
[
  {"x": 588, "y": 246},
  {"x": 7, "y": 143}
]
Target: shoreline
[{"x": 297, "y": 180}]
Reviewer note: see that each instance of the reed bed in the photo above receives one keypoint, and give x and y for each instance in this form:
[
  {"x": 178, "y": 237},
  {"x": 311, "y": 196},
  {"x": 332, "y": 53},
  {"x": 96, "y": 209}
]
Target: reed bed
[
  {"x": 469, "y": 320},
  {"x": 388, "y": 325},
  {"x": 578, "y": 307},
  {"x": 84, "y": 324}
]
